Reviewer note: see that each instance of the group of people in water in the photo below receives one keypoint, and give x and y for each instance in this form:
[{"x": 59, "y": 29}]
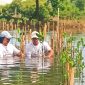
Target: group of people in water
[{"x": 33, "y": 49}]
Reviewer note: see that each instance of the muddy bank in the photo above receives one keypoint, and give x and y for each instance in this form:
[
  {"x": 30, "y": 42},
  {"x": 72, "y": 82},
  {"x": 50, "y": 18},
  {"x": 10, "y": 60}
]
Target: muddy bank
[
  {"x": 72, "y": 26},
  {"x": 69, "y": 26}
]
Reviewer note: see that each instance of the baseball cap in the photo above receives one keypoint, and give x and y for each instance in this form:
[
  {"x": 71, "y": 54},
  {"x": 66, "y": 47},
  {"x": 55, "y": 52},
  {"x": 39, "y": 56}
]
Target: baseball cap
[
  {"x": 34, "y": 34},
  {"x": 5, "y": 34}
]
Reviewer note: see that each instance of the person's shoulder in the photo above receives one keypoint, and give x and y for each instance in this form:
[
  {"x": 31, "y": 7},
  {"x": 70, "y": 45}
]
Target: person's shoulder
[
  {"x": 45, "y": 43},
  {"x": 10, "y": 45},
  {"x": 29, "y": 44}
]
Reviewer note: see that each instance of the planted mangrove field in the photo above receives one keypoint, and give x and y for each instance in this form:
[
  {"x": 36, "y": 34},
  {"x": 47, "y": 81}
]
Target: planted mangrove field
[
  {"x": 66, "y": 67},
  {"x": 42, "y": 42}
]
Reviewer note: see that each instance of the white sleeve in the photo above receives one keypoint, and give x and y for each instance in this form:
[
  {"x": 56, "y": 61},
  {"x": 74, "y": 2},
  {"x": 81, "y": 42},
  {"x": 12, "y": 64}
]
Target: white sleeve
[
  {"x": 1, "y": 54},
  {"x": 46, "y": 46},
  {"x": 15, "y": 50}
]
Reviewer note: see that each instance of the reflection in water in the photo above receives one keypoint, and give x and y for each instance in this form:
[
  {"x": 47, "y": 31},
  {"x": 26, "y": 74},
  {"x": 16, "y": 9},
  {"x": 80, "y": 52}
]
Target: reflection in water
[
  {"x": 16, "y": 73},
  {"x": 34, "y": 76},
  {"x": 37, "y": 66}
]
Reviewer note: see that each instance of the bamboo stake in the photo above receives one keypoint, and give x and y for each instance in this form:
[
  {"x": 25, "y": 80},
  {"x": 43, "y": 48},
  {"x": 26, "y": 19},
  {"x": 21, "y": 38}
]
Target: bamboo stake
[
  {"x": 52, "y": 38},
  {"x": 22, "y": 43},
  {"x": 44, "y": 31},
  {"x": 58, "y": 43},
  {"x": 70, "y": 69},
  {"x": 29, "y": 35},
  {"x": 40, "y": 30},
  {"x": 7, "y": 27},
  {"x": 47, "y": 26},
  {"x": 71, "y": 76},
  {"x": 25, "y": 32},
  {"x": 3, "y": 25},
  {"x": 34, "y": 26}
]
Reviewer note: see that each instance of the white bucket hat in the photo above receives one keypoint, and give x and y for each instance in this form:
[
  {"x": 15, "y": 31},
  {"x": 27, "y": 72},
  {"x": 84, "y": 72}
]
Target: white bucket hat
[
  {"x": 34, "y": 34},
  {"x": 6, "y": 34}
]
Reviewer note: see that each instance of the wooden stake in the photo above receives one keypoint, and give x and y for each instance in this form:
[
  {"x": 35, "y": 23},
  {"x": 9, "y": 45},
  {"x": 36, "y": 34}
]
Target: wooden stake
[{"x": 45, "y": 30}]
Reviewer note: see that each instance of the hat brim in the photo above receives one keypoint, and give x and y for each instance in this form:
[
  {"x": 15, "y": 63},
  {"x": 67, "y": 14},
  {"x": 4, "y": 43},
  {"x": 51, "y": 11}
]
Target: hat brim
[
  {"x": 34, "y": 37},
  {"x": 9, "y": 37}
]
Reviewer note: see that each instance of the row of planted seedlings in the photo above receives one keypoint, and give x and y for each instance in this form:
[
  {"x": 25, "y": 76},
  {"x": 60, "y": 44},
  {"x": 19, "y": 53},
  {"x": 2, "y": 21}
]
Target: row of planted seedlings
[{"x": 71, "y": 58}]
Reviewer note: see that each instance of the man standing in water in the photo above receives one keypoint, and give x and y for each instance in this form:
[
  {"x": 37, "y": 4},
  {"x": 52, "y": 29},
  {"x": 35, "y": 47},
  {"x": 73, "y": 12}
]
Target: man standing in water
[
  {"x": 7, "y": 50},
  {"x": 35, "y": 49}
]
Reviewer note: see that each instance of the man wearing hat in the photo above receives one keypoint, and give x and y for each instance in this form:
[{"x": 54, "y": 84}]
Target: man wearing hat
[
  {"x": 7, "y": 49},
  {"x": 36, "y": 49}
]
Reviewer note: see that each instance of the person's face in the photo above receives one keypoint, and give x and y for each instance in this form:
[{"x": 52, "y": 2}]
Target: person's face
[
  {"x": 5, "y": 41},
  {"x": 35, "y": 41}
]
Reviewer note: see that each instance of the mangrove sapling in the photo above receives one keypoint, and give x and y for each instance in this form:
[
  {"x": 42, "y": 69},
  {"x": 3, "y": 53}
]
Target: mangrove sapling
[
  {"x": 20, "y": 39},
  {"x": 71, "y": 56}
]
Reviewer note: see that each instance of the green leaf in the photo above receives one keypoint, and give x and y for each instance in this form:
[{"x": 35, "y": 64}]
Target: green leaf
[
  {"x": 40, "y": 36},
  {"x": 18, "y": 30},
  {"x": 18, "y": 39}
]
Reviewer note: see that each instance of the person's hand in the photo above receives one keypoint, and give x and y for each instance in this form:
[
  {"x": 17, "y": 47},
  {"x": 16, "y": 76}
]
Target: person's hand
[{"x": 20, "y": 54}]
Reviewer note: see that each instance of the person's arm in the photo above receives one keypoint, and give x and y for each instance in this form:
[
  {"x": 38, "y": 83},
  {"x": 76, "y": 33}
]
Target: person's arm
[
  {"x": 17, "y": 52},
  {"x": 48, "y": 50},
  {"x": 50, "y": 53}
]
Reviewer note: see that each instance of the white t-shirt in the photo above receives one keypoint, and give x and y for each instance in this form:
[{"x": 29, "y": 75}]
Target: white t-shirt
[
  {"x": 39, "y": 50},
  {"x": 7, "y": 53}
]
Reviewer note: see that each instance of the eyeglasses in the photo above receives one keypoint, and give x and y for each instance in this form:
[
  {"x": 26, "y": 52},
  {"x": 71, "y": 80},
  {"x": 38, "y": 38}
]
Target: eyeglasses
[{"x": 8, "y": 40}]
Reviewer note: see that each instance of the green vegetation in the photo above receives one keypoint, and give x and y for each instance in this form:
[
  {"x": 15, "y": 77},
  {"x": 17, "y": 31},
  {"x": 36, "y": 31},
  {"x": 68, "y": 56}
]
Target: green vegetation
[
  {"x": 72, "y": 54},
  {"x": 43, "y": 9}
]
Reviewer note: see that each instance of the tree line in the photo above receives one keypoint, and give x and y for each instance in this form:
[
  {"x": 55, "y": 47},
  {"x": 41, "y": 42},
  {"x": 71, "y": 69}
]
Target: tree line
[{"x": 43, "y": 9}]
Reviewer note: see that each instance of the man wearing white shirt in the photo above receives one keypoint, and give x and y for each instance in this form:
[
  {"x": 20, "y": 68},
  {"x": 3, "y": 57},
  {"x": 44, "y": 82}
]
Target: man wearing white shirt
[{"x": 36, "y": 49}]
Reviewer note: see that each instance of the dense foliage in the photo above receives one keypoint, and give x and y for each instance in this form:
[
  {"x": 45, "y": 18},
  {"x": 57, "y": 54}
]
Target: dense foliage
[{"x": 43, "y": 9}]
